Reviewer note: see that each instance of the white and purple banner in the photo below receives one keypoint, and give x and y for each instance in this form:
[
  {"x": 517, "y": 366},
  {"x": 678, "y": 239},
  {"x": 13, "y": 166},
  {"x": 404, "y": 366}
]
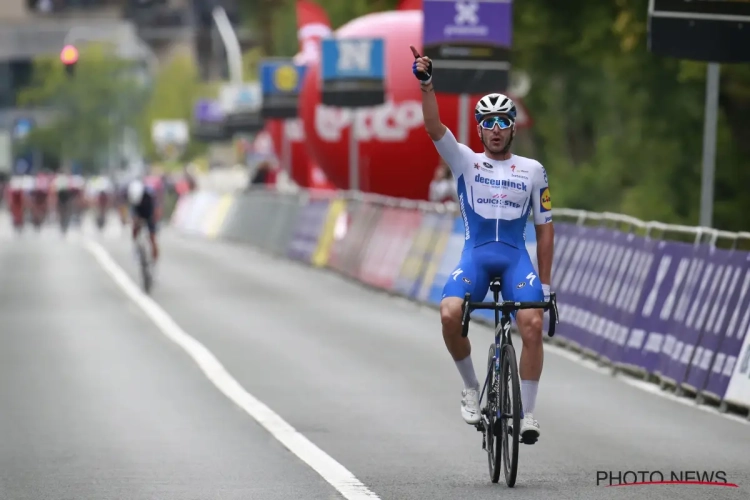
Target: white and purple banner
[{"x": 674, "y": 309}]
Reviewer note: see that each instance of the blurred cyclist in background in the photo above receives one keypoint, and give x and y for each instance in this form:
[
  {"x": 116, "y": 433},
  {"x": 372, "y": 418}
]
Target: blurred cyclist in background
[
  {"x": 156, "y": 183},
  {"x": 16, "y": 201},
  {"x": 121, "y": 199},
  {"x": 143, "y": 207},
  {"x": 40, "y": 197},
  {"x": 99, "y": 192}
]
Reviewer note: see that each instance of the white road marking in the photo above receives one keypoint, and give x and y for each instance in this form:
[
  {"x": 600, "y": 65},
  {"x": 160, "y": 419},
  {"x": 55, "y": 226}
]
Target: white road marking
[{"x": 328, "y": 468}]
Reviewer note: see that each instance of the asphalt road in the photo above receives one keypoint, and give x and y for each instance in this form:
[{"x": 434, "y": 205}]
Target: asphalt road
[{"x": 96, "y": 403}]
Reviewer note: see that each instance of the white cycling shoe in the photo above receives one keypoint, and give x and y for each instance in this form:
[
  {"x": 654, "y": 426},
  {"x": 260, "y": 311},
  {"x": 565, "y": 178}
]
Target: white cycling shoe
[
  {"x": 470, "y": 406},
  {"x": 529, "y": 429}
]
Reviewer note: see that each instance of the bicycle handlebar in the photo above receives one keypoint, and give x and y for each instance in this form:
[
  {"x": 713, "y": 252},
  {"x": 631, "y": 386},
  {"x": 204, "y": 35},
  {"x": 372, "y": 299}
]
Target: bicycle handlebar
[{"x": 507, "y": 307}]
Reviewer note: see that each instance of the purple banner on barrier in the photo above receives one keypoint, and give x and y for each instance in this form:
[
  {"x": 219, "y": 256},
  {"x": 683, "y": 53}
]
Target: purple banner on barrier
[
  {"x": 731, "y": 333},
  {"x": 563, "y": 240},
  {"x": 686, "y": 297},
  {"x": 614, "y": 298},
  {"x": 640, "y": 349},
  {"x": 625, "y": 294},
  {"x": 650, "y": 317},
  {"x": 592, "y": 324},
  {"x": 308, "y": 230},
  {"x": 560, "y": 262},
  {"x": 569, "y": 301},
  {"x": 612, "y": 334},
  {"x": 657, "y": 305}
]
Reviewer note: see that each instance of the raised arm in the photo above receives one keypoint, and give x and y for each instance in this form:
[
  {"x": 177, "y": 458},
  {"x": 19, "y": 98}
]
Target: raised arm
[
  {"x": 452, "y": 152},
  {"x": 430, "y": 111}
]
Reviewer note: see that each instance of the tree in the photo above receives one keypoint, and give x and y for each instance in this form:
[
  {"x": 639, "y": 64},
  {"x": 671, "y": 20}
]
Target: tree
[
  {"x": 175, "y": 90},
  {"x": 619, "y": 128},
  {"x": 91, "y": 110}
]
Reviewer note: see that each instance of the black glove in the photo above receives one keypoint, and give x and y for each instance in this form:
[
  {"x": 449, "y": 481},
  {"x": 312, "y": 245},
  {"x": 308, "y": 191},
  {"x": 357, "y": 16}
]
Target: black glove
[{"x": 422, "y": 76}]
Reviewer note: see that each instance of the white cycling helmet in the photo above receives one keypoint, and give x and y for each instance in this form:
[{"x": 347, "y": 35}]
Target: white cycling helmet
[
  {"x": 494, "y": 104},
  {"x": 135, "y": 192}
]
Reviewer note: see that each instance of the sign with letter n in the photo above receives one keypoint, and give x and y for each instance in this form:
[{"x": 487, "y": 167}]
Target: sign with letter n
[
  {"x": 700, "y": 30},
  {"x": 281, "y": 81},
  {"x": 353, "y": 72},
  {"x": 469, "y": 42}
]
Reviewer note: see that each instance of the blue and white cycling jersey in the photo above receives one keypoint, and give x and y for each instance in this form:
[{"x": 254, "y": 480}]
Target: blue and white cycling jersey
[{"x": 496, "y": 198}]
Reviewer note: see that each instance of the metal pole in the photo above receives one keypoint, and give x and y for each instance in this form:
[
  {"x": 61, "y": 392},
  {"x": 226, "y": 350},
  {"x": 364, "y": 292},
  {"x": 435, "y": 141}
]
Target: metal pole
[
  {"x": 353, "y": 154},
  {"x": 709, "y": 145},
  {"x": 231, "y": 44},
  {"x": 463, "y": 120},
  {"x": 286, "y": 150}
]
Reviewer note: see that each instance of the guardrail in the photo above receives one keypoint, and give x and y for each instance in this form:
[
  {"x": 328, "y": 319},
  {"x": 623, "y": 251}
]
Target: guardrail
[{"x": 674, "y": 311}]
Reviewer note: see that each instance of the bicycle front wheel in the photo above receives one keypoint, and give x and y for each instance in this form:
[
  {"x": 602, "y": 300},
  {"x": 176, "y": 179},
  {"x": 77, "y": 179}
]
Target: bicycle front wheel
[
  {"x": 493, "y": 442},
  {"x": 510, "y": 392}
]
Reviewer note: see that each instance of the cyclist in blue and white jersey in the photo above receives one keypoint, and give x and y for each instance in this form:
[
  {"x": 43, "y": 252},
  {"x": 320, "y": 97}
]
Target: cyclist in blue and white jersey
[{"x": 496, "y": 192}]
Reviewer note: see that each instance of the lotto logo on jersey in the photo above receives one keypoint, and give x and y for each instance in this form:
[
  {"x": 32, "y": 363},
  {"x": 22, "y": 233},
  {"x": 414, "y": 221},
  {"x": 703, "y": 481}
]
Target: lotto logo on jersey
[
  {"x": 519, "y": 186},
  {"x": 546, "y": 200},
  {"x": 498, "y": 202}
]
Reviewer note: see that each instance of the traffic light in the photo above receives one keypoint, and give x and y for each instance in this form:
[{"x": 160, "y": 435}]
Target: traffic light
[{"x": 69, "y": 57}]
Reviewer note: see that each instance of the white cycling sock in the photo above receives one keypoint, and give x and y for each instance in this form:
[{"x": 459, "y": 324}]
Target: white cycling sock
[
  {"x": 466, "y": 369},
  {"x": 528, "y": 395}
]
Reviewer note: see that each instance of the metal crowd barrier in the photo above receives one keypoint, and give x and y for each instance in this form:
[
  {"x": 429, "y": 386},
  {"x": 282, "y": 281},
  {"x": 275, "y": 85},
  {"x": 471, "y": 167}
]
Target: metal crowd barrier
[{"x": 666, "y": 302}]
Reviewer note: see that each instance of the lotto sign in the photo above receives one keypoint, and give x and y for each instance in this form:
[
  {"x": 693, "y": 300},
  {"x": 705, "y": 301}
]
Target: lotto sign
[
  {"x": 353, "y": 72},
  {"x": 469, "y": 42},
  {"x": 704, "y": 30},
  {"x": 281, "y": 81}
]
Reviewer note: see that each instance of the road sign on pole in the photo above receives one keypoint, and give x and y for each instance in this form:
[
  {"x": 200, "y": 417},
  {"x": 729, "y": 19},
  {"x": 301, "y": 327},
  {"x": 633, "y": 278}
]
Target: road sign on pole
[
  {"x": 353, "y": 76},
  {"x": 353, "y": 72},
  {"x": 281, "y": 81},
  {"x": 715, "y": 31}
]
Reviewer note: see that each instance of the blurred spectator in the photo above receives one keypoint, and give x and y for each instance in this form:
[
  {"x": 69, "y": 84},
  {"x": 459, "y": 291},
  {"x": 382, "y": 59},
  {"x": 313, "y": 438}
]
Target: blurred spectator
[
  {"x": 442, "y": 187},
  {"x": 262, "y": 174}
]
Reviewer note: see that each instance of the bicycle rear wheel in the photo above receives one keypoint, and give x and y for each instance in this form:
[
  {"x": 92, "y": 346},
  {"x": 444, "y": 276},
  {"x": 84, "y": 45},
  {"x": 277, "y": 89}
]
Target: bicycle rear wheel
[
  {"x": 511, "y": 412},
  {"x": 492, "y": 442}
]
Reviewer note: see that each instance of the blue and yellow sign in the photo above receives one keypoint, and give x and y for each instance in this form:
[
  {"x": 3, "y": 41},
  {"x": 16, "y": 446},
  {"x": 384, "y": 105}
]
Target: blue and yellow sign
[{"x": 281, "y": 81}]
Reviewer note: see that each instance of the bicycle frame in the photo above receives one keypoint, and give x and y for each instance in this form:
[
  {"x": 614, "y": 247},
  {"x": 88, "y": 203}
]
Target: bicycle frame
[
  {"x": 503, "y": 311},
  {"x": 502, "y": 337}
]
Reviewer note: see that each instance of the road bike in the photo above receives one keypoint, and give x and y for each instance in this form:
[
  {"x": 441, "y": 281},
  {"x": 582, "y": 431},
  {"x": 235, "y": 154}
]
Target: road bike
[{"x": 500, "y": 422}]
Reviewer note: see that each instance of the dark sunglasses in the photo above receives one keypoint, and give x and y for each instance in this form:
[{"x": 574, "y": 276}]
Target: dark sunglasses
[{"x": 502, "y": 121}]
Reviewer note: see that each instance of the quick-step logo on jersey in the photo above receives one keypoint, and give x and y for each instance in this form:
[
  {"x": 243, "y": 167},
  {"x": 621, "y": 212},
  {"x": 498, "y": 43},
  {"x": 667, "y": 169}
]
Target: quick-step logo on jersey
[{"x": 498, "y": 201}]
